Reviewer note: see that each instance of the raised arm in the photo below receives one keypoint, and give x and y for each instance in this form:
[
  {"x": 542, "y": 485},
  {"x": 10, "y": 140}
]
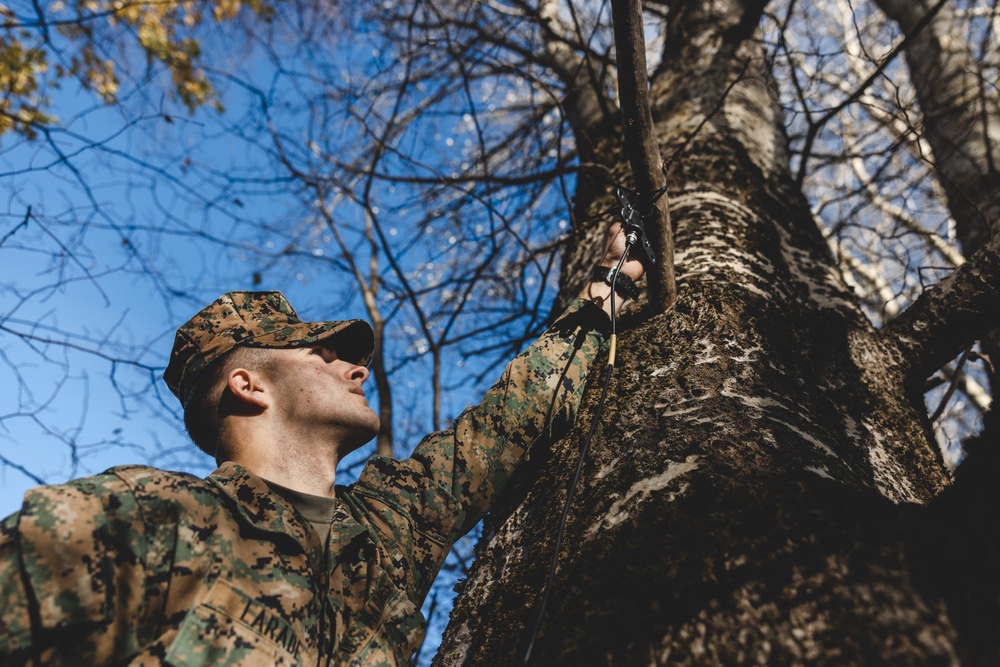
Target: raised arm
[{"x": 453, "y": 477}]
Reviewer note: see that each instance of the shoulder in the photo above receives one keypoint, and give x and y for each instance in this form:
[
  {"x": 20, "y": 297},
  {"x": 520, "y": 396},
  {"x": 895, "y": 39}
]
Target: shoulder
[
  {"x": 147, "y": 478},
  {"x": 121, "y": 490},
  {"x": 134, "y": 478},
  {"x": 119, "y": 510}
]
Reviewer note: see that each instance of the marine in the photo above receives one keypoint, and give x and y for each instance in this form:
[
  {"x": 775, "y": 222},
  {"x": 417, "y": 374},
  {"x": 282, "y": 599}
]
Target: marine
[{"x": 267, "y": 561}]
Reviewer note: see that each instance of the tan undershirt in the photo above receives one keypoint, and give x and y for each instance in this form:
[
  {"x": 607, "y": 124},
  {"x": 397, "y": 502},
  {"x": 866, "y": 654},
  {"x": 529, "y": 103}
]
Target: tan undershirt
[{"x": 317, "y": 510}]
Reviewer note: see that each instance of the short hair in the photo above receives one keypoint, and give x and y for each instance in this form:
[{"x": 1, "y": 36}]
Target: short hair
[{"x": 205, "y": 407}]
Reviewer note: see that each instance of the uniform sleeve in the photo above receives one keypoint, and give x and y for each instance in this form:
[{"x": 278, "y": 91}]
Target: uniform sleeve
[
  {"x": 60, "y": 573},
  {"x": 453, "y": 477}
]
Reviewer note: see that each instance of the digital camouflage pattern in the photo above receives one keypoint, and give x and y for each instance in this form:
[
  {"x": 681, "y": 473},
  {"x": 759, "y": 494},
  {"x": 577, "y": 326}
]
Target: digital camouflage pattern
[
  {"x": 143, "y": 567},
  {"x": 255, "y": 319}
]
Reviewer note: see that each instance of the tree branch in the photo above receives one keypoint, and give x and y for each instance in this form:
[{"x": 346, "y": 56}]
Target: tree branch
[
  {"x": 642, "y": 149},
  {"x": 949, "y": 316},
  {"x": 814, "y": 128}
]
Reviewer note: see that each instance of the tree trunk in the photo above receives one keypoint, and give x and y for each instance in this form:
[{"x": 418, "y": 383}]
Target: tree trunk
[{"x": 760, "y": 488}]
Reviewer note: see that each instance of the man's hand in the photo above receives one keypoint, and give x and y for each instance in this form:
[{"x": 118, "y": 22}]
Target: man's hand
[{"x": 614, "y": 246}]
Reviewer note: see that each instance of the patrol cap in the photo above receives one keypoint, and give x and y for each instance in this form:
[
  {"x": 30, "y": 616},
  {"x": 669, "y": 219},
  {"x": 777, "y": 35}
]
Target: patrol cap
[{"x": 255, "y": 319}]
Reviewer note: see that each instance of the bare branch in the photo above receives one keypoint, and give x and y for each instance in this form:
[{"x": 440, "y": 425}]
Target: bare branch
[
  {"x": 947, "y": 317},
  {"x": 642, "y": 148},
  {"x": 815, "y": 127}
]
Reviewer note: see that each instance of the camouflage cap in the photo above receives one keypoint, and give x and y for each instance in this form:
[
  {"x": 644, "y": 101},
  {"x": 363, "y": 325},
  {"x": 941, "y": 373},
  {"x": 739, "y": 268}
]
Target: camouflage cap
[{"x": 255, "y": 319}]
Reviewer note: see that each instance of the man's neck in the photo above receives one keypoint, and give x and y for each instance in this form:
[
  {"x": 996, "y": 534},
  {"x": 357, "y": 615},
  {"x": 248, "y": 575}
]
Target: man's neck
[{"x": 307, "y": 466}]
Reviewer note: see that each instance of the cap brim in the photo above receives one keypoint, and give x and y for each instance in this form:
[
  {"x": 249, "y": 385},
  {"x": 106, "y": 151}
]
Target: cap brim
[{"x": 353, "y": 340}]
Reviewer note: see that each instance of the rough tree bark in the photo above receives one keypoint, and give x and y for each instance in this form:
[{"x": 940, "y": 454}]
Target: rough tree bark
[{"x": 764, "y": 487}]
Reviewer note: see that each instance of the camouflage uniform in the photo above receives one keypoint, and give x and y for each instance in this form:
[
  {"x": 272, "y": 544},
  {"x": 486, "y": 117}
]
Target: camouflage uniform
[{"x": 144, "y": 567}]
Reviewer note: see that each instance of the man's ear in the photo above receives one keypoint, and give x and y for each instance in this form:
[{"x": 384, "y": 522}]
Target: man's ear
[{"x": 246, "y": 387}]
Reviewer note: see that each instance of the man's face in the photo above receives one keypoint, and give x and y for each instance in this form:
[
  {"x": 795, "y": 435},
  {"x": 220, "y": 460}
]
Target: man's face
[{"x": 315, "y": 390}]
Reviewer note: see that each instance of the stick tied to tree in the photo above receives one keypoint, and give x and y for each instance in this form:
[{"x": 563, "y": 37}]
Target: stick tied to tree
[{"x": 642, "y": 149}]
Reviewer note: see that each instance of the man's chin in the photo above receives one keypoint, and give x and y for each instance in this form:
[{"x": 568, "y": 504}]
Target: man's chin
[{"x": 358, "y": 439}]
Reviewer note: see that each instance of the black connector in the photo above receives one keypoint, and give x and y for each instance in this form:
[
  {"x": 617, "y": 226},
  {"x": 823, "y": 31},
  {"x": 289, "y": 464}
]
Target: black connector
[{"x": 635, "y": 229}]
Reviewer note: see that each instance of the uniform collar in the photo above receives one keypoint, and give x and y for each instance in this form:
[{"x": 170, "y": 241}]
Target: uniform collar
[
  {"x": 265, "y": 510},
  {"x": 260, "y": 507}
]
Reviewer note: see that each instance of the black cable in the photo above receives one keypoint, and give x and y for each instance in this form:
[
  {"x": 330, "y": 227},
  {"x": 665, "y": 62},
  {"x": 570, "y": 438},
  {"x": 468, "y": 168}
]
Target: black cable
[{"x": 579, "y": 466}]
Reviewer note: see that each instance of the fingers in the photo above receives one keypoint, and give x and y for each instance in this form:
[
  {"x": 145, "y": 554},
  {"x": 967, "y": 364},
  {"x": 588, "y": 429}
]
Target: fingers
[
  {"x": 614, "y": 243},
  {"x": 614, "y": 246}
]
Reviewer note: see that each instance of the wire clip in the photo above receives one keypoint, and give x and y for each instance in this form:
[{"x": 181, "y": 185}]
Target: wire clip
[{"x": 635, "y": 229}]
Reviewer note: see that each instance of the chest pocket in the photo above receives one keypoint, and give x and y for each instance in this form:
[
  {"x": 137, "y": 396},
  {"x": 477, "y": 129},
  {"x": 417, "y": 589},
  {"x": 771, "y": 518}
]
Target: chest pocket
[{"x": 231, "y": 628}]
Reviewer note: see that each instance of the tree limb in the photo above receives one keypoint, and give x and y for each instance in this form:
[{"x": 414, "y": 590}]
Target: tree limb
[
  {"x": 948, "y": 316},
  {"x": 642, "y": 149}
]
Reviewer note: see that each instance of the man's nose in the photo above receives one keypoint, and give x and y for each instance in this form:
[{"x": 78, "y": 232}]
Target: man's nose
[{"x": 359, "y": 373}]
